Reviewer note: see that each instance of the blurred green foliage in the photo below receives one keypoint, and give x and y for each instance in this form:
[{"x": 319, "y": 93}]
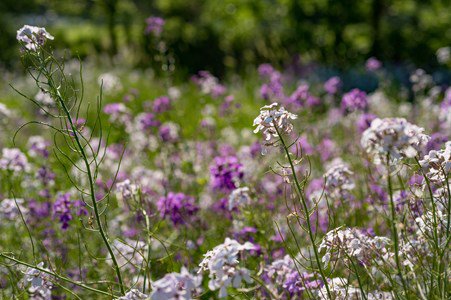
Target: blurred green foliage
[{"x": 233, "y": 34}]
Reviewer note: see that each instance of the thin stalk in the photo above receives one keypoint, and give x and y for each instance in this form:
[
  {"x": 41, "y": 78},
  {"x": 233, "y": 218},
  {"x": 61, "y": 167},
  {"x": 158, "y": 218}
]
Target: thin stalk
[
  {"x": 86, "y": 287},
  {"x": 393, "y": 225},
  {"x": 307, "y": 216},
  {"x": 84, "y": 157}
]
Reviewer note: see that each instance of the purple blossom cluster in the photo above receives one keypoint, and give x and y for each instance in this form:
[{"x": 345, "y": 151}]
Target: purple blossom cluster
[{"x": 178, "y": 207}]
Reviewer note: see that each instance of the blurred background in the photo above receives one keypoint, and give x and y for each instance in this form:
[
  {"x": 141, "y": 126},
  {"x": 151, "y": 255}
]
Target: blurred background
[{"x": 235, "y": 35}]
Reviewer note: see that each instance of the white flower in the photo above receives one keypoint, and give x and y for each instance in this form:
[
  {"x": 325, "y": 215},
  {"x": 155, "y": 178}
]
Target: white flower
[
  {"x": 239, "y": 197},
  {"x": 4, "y": 112},
  {"x": 339, "y": 181},
  {"x": 134, "y": 294},
  {"x": 223, "y": 266},
  {"x": 394, "y": 137},
  {"x": 40, "y": 284},
  {"x": 437, "y": 164},
  {"x": 129, "y": 254},
  {"x": 110, "y": 83},
  {"x": 271, "y": 116},
  {"x": 9, "y": 210},
  {"x": 44, "y": 99},
  {"x": 443, "y": 55},
  {"x": 351, "y": 242},
  {"x": 14, "y": 160},
  {"x": 33, "y": 37},
  {"x": 126, "y": 189},
  {"x": 176, "y": 286}
]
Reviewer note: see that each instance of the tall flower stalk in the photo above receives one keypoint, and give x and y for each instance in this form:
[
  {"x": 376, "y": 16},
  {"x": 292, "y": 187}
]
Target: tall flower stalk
[
  {"x": 274, "y": 122},
  {"x": 48, "y": 73}
]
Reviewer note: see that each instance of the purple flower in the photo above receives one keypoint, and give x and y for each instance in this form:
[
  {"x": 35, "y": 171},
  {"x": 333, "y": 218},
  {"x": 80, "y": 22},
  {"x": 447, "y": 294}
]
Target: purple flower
[
  {"x": 265, "y": 70},
  {"x": 178, "y": 207},
  {"x": 364, "y": 121},
  {"x": 326, "y": 149},
  {"x": 353, "y": 101},
  {"x": 436, "y": 142},
  {"x": 373, "y": 64},
  {"x": 154, "y": 25},
  {"x": 332, "y": 85},
  {"x": 161, "y": 104},
  {"x": 225, "y": 173},
  {"x": 61, "y": 208},
  {"x": 146, "y": 121}
]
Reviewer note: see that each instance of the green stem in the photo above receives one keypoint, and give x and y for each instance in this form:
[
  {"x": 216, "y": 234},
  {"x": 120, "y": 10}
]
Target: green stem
[
  {"x": 307, "y": 216},
  {"x": 393, "y": 225},
  {"x": 84, "y": 157},
  {"x": 56, "y": 275}
]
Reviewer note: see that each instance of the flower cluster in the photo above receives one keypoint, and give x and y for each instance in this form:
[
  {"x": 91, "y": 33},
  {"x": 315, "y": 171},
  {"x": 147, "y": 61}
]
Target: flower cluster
[
  {"x": 272, "y": 117},
  {"x": 284, "y": 276},
  {"x": 394, "y": 138},
  {"x": 126, "y": 189},
  {"x": 62, "y": 208},
  {"x": 239, "y": 198},
  {"x": 225, "y": 173},
  {"x": 14, "y": 160},
  {"x": 437, "y": 164},
  {"x": 223, "y": 266},
  {"x": 176, "y": 286},
  {"x": 10, "y": 211},
  {"x": 33, "y": 37},
  {"x": 209, "y": 84},
  {"x": 355, "y": 100},
  {"x": 339, "y": 181},
  {"x": 354, "y": 243},
  {"x": 341, "y": 290},
  {"x": 129, "y": 254},
  {"x": 154, "y": 25},
  {"x": 179, "y": 207},
  {"x": 40, "y": 283}
]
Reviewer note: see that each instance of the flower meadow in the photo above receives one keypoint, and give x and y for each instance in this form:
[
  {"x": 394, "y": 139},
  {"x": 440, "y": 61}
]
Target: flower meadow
[{"x": 115, "y": 184}]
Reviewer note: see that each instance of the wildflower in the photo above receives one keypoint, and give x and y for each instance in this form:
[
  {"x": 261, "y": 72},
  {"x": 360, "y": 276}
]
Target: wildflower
[
  {"x": 271, "y": 117},
  {"x": 176, "y": 286},
  {"x": 109, "y": 82},
  {"x": 340, "y": 244},
  {"x": 44, "y": 99},
  {"x": 38, "y": 146},
  {"x": 223, "y": 266},
  {"x": 154, "y": 25},
  {"x": 9, "y": 210},
  {"x": 4, "y": 111},
  {"x": 162, "y": 104},
  {"x": 118, "y": 112},
  {"x": 373, "y": 64},
  {"x": 437, "y": 164},
  {"x": 225, "y": 173},
  {"x": 332, "y": 85},
  {"x": 239, "y": 197},
  {"x": 126, "y": 189},
  {"x": 209, "y": 84},
  {"x": 443, "y": 55},
  {"x": 354, "y": 100},
  {"x": 338, "y": 181},
  {"x": 134, "y": 294},
  {"x": 14, "y": 160},
  {"x": 33, "y": 37},
  {"x": 420, "y": 80},
  {"x": 62, "y": 208},
  {"x": 169, "y": 132},
  {"x": 41, "y": 285},
  {"x": 129, "y": 254},
  {"x": 393, "y": 137},
  {"x": 178, "y": 206},
  {"x": 364, "y": 121}
]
